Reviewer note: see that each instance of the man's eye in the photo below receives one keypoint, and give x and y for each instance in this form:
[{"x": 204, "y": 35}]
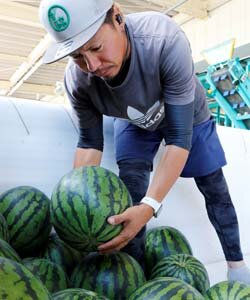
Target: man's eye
[
  {"x": 76, "y": 55},
  {"x": 96, "y": 48}
]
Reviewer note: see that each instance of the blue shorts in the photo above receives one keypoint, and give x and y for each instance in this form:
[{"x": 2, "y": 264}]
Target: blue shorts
[{"x": 206, "y": 154}]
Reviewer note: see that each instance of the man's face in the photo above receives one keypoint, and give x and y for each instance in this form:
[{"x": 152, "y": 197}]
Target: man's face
[{"x": 104, "y": 53}]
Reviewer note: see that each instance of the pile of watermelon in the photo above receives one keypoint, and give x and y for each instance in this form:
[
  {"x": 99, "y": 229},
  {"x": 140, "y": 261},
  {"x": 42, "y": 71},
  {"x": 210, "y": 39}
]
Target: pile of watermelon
[{"x": 48, "y": 247}]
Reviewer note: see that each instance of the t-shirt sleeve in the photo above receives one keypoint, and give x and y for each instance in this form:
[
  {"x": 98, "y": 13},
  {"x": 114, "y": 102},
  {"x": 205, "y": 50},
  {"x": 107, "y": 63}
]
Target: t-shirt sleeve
[
  {"x": 177, "y": 71},
  {"x": 178, "y": 90},
  {"x": 90, "y": 121}
]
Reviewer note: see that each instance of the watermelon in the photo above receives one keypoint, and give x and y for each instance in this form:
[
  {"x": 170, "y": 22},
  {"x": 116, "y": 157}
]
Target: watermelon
[
  {"x": 184, "y": 267},
  {"x": 77, "y": 294},
  {"x": 7, "y": 251},
  {"x": 161, "y": 242},
  {"x": 232, "y": 290},
  {"x": 28, "y": 259},
  {"x": 26, "y": 211},
  {"x": 17, "y": 282},
  {"x": 50, "y": 274},
  {"x": 62, "y": 254},
  {"x": 4, "y": 231},
  {"x": 115, "y": 276},
  {"x": 81, "y": 203},
  {"x": 166, "y": 288}
]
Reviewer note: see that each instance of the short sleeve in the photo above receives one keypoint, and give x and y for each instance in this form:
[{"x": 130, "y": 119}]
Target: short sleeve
[
  {"x": 90, "y": 121},
  {"x": 85, "y": 111},
  {"x": 177, "y": 71}
]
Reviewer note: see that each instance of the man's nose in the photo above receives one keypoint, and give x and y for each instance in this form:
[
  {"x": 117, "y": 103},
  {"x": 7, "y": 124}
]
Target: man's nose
[{"x": 92, "y": 62}]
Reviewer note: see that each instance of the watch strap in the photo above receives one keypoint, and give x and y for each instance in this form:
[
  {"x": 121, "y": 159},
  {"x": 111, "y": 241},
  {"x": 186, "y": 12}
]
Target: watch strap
[{"x": 152, "y": 203}]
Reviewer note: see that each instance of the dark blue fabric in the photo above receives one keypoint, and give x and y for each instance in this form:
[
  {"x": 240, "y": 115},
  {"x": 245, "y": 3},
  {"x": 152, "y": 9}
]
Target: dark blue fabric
[
  {"x": 206, "y": 154},
  {"x": 91, "y": 137},
  {"x": 221, "y": 213},
  {"x": 179, "y": 120},
  {"x": 135, "y": 173}
]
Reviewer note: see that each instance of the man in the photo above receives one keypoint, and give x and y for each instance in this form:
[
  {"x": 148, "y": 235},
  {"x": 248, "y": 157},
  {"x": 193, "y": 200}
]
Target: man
[{"x": 141, "y": 72}]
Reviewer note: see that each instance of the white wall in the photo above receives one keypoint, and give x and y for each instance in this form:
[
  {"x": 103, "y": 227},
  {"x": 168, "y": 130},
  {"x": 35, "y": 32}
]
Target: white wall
[
  {"x": 37, "y": 144},
  {"x": 229, "y": 21}
]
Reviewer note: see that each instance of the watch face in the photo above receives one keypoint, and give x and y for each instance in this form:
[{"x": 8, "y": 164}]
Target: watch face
[{"x": 158, "y": 211}]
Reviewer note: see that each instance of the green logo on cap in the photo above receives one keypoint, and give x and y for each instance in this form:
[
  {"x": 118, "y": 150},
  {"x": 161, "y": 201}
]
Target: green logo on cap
[{"x": 58, "y": 18}]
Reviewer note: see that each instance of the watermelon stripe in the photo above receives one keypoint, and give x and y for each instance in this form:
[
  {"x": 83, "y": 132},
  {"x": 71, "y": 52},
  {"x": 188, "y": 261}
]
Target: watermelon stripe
[
  {"x": 77, "y": 294},
  {"x": 184, "y": 267},
  {"x": 103, "y": 230},
  {"x": 22, "y": 230},
  {"x": 61, "y": 219},
  {"x": 51, "y": 274},
  {"x": 232, "y": 290},
  {"x": 115, "y": 276},
  {"x": 78, "y": 214},
  {"x": 7, "y": 251},
  {"x": 40, "y": 235},
  {"x": 89, "y": 176},
  {"x": 4, "y": 231},
  {"x": 96, "y": 226},
  {"x": 68, "y": 200},
  {"x": 162, "y": 242},
  {"x": 12, "y": 195},
  {"x": 43, "y": 231},
  {"x": 26, "y": 210},
  {"x": 20, "y": 219},
  {"x": 61, "y": 253},
  {"x": 9, "y": 195},
  {"x": 14, "y": 277},
  {"x": 28, "y": 284},
  {"x": 74, "y": 212},
  {"x": 132, "y": 269},
  {"x": 166, "y": 288}
]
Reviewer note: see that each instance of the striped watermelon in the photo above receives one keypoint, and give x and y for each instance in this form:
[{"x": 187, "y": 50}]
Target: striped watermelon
[
  {"x": 4, "y": 231},
  {"x": 17, "y": 282},
  {"x": 77, "y": 294},
  {"x": 50, "y": 274},
  {"x": 166, "y": 288},
  {"x": 161, "y": 242},
  {"x": 26, "y": 210},
  {"x": 62, "y": 254},
  {"x": 81, "y": 203},
  {"x": 231, "y": 290},
  {"x": 7, "y": 251},
  {"x": 115, "y": 276},
  {"x": 184, "y": 267}
]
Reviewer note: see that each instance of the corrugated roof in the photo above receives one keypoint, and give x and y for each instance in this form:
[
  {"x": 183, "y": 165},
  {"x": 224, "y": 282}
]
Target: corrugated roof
[{"x": 23, "y": 42}]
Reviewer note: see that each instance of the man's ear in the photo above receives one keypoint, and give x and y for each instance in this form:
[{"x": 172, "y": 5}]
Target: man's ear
[
  {"x": 118, "y": 13},
  {"x": 118, "y": 19}
]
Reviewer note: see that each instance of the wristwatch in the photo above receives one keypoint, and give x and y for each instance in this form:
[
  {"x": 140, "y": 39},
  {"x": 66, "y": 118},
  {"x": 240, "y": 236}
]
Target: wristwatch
[{"x": 157, "y": 207}]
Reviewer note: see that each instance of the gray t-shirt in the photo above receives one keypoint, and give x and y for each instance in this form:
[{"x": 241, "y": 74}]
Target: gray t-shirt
[{"x": 161, "y": 72}]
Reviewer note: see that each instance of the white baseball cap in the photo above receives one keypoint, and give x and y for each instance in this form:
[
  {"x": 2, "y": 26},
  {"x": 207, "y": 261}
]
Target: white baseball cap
[{"x": 71, "y": 24}]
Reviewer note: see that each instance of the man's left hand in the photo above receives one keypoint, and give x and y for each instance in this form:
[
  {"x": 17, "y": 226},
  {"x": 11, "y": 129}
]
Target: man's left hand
[{"x": 133, "y": 219}]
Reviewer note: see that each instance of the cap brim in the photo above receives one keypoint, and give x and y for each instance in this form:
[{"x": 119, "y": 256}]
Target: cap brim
[{"x": 57, "y": 51}]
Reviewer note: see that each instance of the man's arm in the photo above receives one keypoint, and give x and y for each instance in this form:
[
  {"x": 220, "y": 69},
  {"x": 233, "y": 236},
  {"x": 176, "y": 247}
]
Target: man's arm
[
  {"x": 87, "y": 157},
  {"x": 179, "y": 137},
  {"x": 167, "y": 172},
  {"x": 90, "y": 143}
]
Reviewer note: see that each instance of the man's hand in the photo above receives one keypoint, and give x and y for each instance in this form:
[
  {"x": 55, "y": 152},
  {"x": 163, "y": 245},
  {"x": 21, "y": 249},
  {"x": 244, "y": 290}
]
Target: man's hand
[{"x": 133, "y": 219}]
